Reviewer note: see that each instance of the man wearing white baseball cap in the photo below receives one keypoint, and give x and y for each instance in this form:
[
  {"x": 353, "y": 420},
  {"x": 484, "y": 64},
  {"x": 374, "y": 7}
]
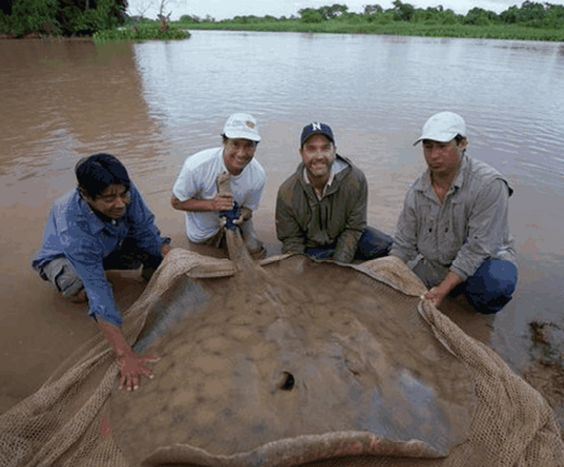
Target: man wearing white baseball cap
[
  {"x": 196, "y": 189},
  {"x": 453, "y": 229}
]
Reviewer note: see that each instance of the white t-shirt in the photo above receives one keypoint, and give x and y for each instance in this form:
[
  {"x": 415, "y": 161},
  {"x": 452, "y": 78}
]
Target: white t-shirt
[{"x": 198, "y": 179}]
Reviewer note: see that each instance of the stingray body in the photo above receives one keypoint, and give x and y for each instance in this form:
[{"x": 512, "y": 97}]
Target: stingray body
[{"x": 285, "y": 352}]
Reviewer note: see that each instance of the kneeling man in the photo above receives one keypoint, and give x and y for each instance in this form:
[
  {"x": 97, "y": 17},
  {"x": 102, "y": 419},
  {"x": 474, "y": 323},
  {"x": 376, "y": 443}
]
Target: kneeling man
[
  {"x": 102, "y": 224},
  {"x": 454, "y": 228},
  {"x": 196, "y": 190},
  {"x": 321, "y": 208}
]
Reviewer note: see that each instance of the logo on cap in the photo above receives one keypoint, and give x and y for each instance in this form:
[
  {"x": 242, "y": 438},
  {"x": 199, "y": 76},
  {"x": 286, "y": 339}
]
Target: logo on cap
[
  {"x": 316, "y": 128},
  {"x": 250, "y": 124}
]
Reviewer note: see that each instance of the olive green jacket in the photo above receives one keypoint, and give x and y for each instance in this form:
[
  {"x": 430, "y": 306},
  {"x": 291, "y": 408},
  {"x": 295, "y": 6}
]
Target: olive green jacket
[{"x": 337, "y": 220}]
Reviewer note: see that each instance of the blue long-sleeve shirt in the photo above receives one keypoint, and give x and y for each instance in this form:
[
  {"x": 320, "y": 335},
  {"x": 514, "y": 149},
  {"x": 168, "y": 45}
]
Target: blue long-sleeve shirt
[{"x": 75, "y": 232}]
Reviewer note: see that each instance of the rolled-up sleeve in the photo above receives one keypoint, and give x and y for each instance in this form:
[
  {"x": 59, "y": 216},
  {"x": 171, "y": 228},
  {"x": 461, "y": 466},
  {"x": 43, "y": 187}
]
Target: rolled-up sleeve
[{"x": 487, "y": 223}]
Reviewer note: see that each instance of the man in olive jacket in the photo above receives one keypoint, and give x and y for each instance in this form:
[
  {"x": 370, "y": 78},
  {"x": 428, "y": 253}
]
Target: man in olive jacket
[{"x": 321, "y": 208}]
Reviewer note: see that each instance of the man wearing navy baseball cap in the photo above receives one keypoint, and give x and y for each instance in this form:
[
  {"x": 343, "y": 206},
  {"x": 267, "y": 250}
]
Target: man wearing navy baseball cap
[
  {"x": 454, "y": 228},
  {"x": 321, "y": 208}
]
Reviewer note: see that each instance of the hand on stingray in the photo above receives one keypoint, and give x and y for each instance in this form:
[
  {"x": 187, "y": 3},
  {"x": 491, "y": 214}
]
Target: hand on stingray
[{"x": 132, "y": 367}]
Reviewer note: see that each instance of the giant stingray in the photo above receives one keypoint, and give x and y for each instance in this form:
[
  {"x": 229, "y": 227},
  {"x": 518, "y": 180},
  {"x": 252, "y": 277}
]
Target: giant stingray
[{"x": 290, "y": 361}]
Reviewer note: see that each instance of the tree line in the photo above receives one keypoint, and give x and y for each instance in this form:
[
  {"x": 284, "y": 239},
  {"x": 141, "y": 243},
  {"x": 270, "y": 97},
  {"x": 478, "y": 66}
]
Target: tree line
[
  {"x": 86, "y": 17},
  {"x": 530, "y": 14}
]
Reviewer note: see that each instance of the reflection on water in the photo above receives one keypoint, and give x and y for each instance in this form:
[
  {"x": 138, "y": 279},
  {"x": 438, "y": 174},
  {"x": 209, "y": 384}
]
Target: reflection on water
[{"x": 154, "y": 103}]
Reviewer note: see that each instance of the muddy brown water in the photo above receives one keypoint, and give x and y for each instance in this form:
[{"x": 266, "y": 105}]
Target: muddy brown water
[{"x": 155, "y": 103}]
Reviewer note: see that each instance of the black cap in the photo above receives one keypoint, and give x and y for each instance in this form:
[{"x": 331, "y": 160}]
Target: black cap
[{"x": 316, "y": 128}]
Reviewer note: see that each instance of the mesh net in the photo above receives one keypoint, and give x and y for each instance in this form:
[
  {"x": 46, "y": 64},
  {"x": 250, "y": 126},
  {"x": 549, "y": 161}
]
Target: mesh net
[{"x": 67, "y": 422}]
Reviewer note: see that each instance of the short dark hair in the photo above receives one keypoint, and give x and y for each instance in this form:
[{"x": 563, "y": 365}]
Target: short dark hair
[
  {"x": 225, "y": 139},
  {"x": 97, "y": 172}
]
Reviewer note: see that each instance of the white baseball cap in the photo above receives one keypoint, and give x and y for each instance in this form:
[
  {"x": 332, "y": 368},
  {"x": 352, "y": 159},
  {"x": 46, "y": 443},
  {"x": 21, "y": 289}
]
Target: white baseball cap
[
  {"x": 241, "y": 125},
  {"x": 443, "y": 127}
]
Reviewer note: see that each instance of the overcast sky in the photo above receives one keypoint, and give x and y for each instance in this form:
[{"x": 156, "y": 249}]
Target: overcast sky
[{"x": 222, "y": 9}]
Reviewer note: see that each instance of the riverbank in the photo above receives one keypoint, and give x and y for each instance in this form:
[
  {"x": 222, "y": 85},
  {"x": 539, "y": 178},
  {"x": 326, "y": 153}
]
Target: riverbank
[
  {"x": 395, "y": 28},
  {"x": 180, "y": 30}
]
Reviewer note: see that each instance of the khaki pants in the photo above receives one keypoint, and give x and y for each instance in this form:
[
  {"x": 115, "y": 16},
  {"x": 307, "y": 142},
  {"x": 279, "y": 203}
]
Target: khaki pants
[{"x": 62, "y": 274}]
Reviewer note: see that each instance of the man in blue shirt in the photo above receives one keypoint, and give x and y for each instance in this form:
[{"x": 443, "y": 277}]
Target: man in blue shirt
[{"x": 102, "y": 224}]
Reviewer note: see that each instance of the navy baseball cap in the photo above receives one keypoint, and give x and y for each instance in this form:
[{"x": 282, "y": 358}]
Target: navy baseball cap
[{"x": 316, "y": 128}]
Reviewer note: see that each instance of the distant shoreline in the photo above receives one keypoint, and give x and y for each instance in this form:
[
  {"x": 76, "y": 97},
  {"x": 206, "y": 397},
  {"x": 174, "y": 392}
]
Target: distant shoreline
[{"x": 329, "y": 27}]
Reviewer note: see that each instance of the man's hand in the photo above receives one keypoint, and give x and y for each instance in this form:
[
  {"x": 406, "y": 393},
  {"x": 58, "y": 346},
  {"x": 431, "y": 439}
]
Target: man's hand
[
  {"x": 245, "y": 214},
  {"x": 435, "y": 296},
  {"x": 438, "y": 293},
  {"x": 222, "y": 202},
  {"x": 132, "y": 367},
  {"x": 165, "y": 250}
]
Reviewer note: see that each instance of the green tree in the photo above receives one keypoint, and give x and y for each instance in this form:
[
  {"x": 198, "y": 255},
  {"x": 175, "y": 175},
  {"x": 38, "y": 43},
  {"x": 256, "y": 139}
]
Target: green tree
[
  {"x": 29, "y": 16},
  {"x": 371, "y": 9},
  {"x": 403, "y": 11},
  {"x": 309, "y": 15},
  {"x": 554, "y": 17},
  {"x": 330, "y": 12},
  {"x": 189, "y": 19},
  {"x": 480, "y": 17},
  {"x": 66, "y": 17},
  {"x": 532, "y": 14},
  {"x": 510, "y": 16},
  {"x": 448, "y": 17}
]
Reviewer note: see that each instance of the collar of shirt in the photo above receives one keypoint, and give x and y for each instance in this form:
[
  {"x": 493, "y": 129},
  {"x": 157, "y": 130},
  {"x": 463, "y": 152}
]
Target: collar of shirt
[
  {"x": 424, "y": 185},
  {"x": 336, "y": 167},
  {"x": 95, "y": 223}
]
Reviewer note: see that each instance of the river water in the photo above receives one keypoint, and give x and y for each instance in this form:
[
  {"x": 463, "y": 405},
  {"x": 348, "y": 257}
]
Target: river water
[{"x": 153, "y": 104}]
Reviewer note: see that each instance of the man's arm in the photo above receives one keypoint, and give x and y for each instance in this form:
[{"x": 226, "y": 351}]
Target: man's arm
[
  {"x": 405, "y": 237},
  {"x": 131, "y": 366},
  {"x": 88, "y": 264},
  {"x": 438, "y": 293},
  {"x": 288, "y": 230},
  {"x": 347, "y": 242},
  {"x": 486, "y": 228},
  {"x": 221, "y": 202}
]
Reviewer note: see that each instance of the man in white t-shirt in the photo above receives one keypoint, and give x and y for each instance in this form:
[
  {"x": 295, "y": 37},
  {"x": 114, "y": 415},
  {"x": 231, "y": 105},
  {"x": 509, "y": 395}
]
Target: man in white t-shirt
[{"x": 196, "y": 190}]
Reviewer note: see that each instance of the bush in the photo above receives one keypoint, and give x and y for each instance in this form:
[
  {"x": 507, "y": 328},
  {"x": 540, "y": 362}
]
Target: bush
[
  {"x": 142, "y": 33},
  {"x": 381, "y": 18},
  {"x": 189, "y": 19},
  {"x": 32, "y": 16},
  {"x": 311, "y": 16},
  {"x": 62, "y": 17},
  {"x": 480, "y": 17}
]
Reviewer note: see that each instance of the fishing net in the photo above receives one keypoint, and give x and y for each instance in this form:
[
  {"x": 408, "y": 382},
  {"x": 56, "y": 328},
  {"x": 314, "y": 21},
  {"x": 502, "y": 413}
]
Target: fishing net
[{"x": 77, "y": 418}]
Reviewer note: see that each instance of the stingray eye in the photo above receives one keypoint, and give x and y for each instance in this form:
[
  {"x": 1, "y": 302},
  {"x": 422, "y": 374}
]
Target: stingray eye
[{"x": 288, "y": 381}]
